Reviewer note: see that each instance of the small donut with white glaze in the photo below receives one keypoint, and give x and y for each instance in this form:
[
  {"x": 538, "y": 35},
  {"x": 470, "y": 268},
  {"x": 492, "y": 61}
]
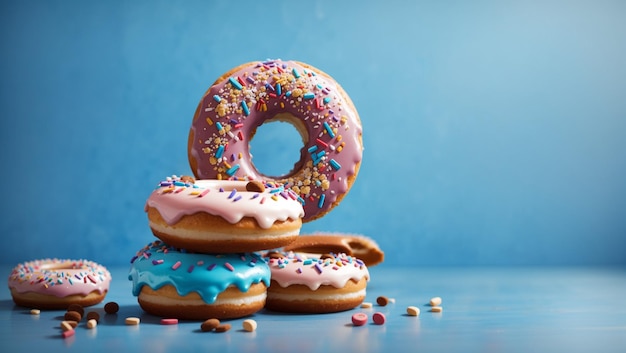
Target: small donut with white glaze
[
  {"x": 252, "y": 94},
  {"x": 58, "y": 283},
  {"x": 172, "y": 282},
  {"x": 213, "y": 216},
  {"x": 310, "y": 283}
]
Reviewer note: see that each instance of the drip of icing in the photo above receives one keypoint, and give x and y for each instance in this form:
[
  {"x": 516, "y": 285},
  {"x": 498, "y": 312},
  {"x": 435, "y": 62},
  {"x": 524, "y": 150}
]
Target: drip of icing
[
  {"x": 227, "y": 199},
  {"x": 159, "y": 264},
  {"x": 312, "y": 271}
]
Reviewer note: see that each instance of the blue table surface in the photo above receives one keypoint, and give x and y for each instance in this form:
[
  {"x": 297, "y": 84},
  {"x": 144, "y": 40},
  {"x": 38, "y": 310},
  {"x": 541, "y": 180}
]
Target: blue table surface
[{"x": 484, "y": 310}]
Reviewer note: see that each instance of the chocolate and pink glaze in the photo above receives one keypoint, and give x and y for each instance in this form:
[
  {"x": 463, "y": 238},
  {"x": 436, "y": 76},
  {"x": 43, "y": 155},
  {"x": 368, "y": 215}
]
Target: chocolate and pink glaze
[
  {"x": 229, "y": 199},
  {"x": 313, "y": 270},
  {"x": 231, "y": 111},
  {"x": 60, "y": 278}
]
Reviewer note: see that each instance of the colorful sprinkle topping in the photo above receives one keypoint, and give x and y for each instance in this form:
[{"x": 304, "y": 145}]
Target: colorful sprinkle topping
[
  {"x": 59, "y": 277},
  {"x": 260, "y": 91},
  {"x": 222, "y": 271}
]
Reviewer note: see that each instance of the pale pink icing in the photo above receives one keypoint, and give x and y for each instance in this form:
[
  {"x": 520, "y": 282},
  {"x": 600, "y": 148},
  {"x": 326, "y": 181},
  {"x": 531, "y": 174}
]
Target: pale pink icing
[
  {"x": 232, "y": 110},
  {"x": 227, "y": 199},
  {"x": 310, "y": 270},
  {"x": 60, "y": 278}
]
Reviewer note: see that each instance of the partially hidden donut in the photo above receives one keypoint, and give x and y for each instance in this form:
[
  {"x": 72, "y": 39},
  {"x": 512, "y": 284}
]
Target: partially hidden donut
[
  {"x": 308, "y": 283},
  {"x": 172, "y": 282},
  {"x": 214, "y": 216},
  {"x": 252, "y": 94},
  {"x": 58, "y": 283},
  {"x": 356, "y": 245}
]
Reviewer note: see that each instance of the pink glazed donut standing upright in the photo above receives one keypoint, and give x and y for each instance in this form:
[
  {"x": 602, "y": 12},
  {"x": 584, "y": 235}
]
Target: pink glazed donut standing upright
[{"x": 255, "y": 93}]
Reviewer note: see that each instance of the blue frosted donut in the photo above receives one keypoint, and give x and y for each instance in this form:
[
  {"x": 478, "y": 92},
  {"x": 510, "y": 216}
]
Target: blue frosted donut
[{"x": 171, "y": 282}]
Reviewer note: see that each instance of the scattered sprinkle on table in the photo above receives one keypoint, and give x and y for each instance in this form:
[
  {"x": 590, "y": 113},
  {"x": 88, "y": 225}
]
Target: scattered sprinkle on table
[
  {"x": 382, "y": 300},
  {"x": 69, "y": 333},
  {"x": 132, "y": 320},
  {"x": 77, "y": 308},
  {"x": 169, "y": 321},
  {"x": 359, "y": 319},
  {"x": 73, "y": 316},
  {"x": 223, "y": 328},
  {"x": 436, "y": 309},
  {"x": 111, "y": 308},
  {"x": 91, "y": 323},
  {"x": 435, "y": 301},
  {"x": 209, "y": 325},
  {"x": 92, "y": 315},
  {"x": 35, "y": 311},
  {"x": 66, "y": 326},
  {"x": 413, "y": 311},
  {"x": 366, "y": 305},
  {"x": 249, "y": 325},
  {"x": 379, "y": 318},
  {"x": 71, "y": 323}
]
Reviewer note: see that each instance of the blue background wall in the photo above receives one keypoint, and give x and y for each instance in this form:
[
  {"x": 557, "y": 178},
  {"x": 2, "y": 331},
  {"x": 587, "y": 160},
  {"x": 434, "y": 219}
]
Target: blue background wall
[{"x": 495, "y": 132}]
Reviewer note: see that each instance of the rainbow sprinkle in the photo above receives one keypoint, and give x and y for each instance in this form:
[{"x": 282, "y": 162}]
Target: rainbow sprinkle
[
  {"x": 280, "y": 87},
  {"x": 235, "y": 83},
  {"x": 329, "y": 130},
  {"x": 320, "y": 204},
  {"x": 246, "y": 110},
  {"x": 220, "y": 152},
  {"x": 232, "y": 170}
]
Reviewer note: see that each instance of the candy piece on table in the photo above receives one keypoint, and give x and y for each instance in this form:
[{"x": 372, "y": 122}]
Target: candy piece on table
[
  {"x": 359, "y": 319},
  {"x": 249, "y": 325},
  {"x": 412, "y": 311},
  {"x": 111, "y": 308},
  {"x": 379, "y": 318}
]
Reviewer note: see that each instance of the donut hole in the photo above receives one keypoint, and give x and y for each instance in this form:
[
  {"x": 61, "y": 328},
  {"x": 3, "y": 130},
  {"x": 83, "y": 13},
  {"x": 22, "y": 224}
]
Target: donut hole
[
  {"x": 276, "y": 146},
  {"x": 67, "y": 265}
]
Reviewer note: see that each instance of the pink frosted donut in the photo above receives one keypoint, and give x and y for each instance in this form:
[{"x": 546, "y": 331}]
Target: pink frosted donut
[
  {"x": 55, "y": 284},
  {"x": 311, "y": 283},
  {"x": 223, "y": 216},
  {"x": 255, "y": 93}
]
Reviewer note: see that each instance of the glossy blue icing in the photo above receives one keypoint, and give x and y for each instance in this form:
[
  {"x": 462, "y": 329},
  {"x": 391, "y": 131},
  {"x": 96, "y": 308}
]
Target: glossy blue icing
[{"x": 159, "y": 264}]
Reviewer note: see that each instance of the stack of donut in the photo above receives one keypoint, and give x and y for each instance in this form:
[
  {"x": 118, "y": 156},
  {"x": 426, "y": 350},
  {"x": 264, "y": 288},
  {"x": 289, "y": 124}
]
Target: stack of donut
[
  {"x": 212, "y": 228},
  {"x": 203, "y": 265}
]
